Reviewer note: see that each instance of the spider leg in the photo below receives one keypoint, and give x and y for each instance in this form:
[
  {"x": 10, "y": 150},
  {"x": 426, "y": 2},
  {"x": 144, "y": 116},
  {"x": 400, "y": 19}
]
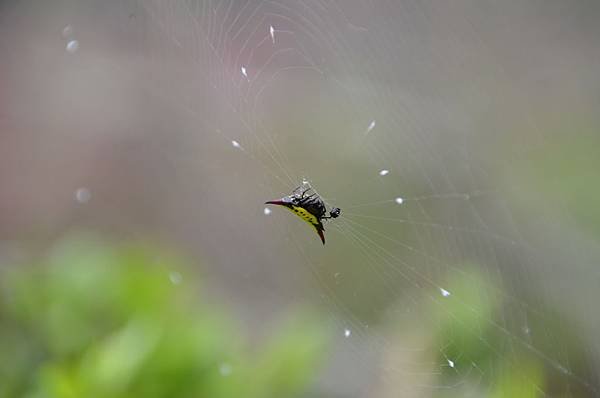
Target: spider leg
[
  {"x": 305, "y": 199},
  {"x": 304, "y": 192}
]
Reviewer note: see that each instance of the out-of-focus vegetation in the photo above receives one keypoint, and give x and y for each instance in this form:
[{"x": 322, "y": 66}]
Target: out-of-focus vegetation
[
  {"x": 475, "y": 331},
  {"x": 563, "y": 171},
  {"x": 91, "y": 320}
]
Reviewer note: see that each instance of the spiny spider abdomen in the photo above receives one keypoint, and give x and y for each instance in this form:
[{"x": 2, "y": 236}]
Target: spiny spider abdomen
[{"x": 308, "y": 206}]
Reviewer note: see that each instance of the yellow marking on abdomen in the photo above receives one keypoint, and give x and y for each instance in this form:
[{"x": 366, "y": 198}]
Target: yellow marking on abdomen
[{"x": 305, "y": 215}]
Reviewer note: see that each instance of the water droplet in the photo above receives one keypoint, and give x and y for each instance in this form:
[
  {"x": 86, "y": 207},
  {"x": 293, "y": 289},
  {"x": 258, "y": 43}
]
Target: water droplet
[
  {"x": 450, "y": 363},
  {"x": 83, "y": 195},
  {"x": 384, "y": 172},
  {"x": 347, "y": 332},
  {"x": 444, "y": 292},
  {"x": 399, "y": 200},
  {"x": 225, "y": 369},
  {"x": 272, "y": 33},
  {"x": 244, "y": 72},
  {"x": 371, "y": 126},
  {"x": 67, "y": 31},
  {"x": 72, "y": 46},
  {"x": 175, "y": 277},
  {"x": 267, "y": 211}
]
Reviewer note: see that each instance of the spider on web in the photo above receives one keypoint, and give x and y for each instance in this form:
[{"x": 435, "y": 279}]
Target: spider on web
[{"x": 308, "y": 205}]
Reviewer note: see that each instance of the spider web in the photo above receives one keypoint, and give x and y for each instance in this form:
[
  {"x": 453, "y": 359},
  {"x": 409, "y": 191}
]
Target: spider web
[{"x": 440, "y": 276}]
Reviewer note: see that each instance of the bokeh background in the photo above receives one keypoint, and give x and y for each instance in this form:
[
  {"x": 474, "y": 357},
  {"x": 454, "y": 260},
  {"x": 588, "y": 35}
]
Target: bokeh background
[{"x": 140, "y": 139}]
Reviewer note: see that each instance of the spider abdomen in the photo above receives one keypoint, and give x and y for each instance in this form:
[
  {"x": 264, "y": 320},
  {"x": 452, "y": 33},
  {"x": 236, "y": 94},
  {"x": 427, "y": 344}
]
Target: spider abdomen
[{"x": 305, "y": 215}]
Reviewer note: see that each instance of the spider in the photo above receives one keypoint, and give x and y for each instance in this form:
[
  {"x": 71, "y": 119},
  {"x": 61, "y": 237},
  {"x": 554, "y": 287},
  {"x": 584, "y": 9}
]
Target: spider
[{"x": 307, "y": 204}]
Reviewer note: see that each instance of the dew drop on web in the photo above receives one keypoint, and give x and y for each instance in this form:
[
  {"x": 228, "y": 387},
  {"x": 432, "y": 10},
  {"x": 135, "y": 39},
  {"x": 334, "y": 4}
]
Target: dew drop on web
[
  {"x": 72, "y": 46},
  {"x": 83, "y": 195}
]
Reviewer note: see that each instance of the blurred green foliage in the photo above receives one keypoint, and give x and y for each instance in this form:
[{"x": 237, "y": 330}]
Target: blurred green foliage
[
  {"x": 563, "y": 170},
  {"x": 91, "y": 320},
  {"x": 495, "y": 355},
  {"x": 478, "y": 346}
]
